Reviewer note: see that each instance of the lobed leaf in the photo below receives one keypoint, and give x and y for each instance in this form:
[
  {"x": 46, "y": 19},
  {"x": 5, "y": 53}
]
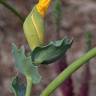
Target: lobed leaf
[{"x": 24, "y": 64}]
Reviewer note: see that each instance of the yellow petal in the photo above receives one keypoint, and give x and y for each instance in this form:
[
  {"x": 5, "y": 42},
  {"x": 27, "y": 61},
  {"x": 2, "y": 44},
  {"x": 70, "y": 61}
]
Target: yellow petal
[{"x": 42, "y": 6}]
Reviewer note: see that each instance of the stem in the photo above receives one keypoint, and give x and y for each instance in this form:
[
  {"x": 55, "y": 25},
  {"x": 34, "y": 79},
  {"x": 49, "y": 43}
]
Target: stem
[
  {"x": 86, "y": 77},
  {"x": 29, "y": 86},
  {"x": 68, "y": 71},
  {"x": 67, "y": 86},
  {"x": 57, "y": 17},
  {"x": 12, "y": 10},
  {"x": 88, "y": 37}
]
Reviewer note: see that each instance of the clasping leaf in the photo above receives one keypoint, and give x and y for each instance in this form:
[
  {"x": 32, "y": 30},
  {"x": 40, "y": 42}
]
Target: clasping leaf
[{"x": 51, "y": 52}]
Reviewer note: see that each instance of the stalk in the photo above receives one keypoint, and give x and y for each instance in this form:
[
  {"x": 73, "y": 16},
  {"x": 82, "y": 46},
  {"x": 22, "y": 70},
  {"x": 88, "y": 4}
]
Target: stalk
[
  {"x": 57, "y": 17},
  {"x": 68, "y": 72},
  {"x": 86, "y": 74},
  {"x": 67, "y": 87},
  {"x": 13, "y": 10},
  {"x": 29, "y": 86}
]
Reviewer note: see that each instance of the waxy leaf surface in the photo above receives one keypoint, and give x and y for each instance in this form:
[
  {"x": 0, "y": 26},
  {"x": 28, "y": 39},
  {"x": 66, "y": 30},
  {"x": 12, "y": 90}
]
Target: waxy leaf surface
[{"x": 51, "y": 52}]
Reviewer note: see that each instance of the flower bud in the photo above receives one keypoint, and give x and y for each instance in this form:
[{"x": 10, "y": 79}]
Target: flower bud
[
  {"x": 42, "y": 6},
  {"x": 34, "y": 24}
]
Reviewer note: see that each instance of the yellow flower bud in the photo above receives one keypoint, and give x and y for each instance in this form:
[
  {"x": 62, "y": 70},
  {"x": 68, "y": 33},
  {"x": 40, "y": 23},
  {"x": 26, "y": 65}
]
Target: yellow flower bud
[
  {"x": 42, "y": 6},
  {"x": 34, "y": 24}
]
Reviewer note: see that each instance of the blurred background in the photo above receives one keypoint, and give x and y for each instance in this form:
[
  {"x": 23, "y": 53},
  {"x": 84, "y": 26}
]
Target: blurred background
[{"x": 74, "y": 19}]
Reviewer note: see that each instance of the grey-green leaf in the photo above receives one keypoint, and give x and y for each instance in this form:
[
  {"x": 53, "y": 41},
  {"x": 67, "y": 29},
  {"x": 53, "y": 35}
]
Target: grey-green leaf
[
  {"x": 16, "y": 87},
  {"x": 24, "y": 64},
  {"x": 51, "y": 52}
]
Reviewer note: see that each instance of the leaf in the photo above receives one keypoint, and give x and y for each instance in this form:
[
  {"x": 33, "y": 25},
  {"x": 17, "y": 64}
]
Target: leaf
[
  {"x": 16, "y": 87},
  {"x": 24, "y": 64},
  {"x": 51, "y": 52}
]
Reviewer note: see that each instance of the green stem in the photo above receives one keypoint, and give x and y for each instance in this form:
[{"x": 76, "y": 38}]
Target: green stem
[
  {"x": 12, "y": 10},
  {"x": 29, "y": 86},
  {"x": 68, "y": 71},
  {"x": 88, "y": 37}
]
